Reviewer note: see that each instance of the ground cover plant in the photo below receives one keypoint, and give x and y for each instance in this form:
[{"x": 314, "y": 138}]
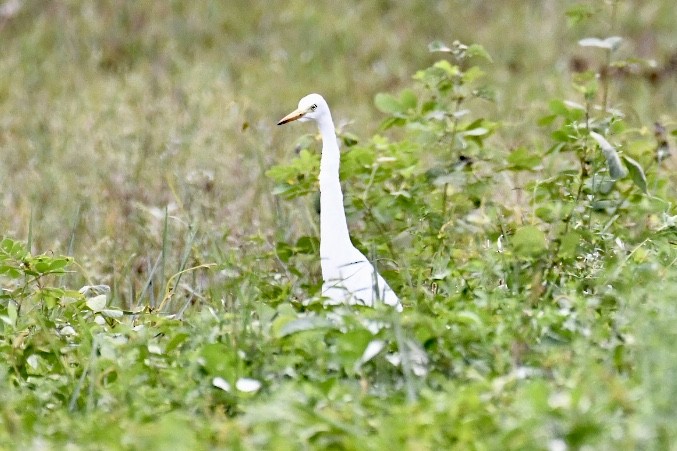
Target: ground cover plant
[{"x": 509, "y": 169}]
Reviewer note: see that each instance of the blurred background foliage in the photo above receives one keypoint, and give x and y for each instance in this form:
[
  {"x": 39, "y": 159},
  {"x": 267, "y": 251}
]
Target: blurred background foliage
[{"x": 145, "y": 104}]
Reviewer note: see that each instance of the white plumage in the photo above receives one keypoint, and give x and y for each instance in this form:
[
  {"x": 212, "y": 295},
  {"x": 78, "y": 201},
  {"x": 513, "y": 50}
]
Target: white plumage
[{"x": 348, "y": 275}]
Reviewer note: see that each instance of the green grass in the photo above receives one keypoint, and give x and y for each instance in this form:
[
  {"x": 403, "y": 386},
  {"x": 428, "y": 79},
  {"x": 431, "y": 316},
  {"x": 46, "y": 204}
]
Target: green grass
[{"x": 138, "y": 138}]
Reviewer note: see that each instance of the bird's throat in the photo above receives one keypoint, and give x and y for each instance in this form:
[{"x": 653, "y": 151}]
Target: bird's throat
[{"x": 334, "y": 237}]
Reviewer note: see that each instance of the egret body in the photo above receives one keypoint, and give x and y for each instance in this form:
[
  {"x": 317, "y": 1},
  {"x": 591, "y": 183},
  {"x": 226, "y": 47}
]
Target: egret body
[{"x": 348, "y": 275}]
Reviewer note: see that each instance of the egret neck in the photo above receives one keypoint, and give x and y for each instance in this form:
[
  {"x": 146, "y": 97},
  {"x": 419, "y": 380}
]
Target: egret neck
[{"x": 334, "y": 238}]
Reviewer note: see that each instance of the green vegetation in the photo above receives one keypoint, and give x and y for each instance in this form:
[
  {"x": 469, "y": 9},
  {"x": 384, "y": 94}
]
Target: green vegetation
[{"x": 507, "y": 166}]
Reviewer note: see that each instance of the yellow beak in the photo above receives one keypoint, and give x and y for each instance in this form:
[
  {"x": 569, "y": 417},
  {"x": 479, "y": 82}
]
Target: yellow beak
[{"x": 294, "y": 115}]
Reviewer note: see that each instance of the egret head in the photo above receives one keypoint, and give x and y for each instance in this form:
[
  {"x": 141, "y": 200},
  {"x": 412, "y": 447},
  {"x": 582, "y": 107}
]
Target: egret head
[{"x": 311, "y": 107}]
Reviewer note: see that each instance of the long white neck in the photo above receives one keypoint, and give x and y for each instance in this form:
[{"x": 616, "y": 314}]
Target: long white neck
[{"x": 334, "y": 237}]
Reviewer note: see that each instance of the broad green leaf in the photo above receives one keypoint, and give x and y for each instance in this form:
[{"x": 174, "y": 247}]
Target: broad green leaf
[
  {"x": 58, "y": 263},
  {"x": 217, "y": 359},
  {"x": 12, "y": 312},
  {"x": 561, "y": 136},
  {"x": 478, "y": 50},
  {"x": 351, "y": 347},
  {"x": 284, "y": 251},
  {"x": 388, "y": 104},
  {"x": 569, "y": 244},
  {"x": 308, "y": 245},
  {"x": 559, "y": 147},
  {"x": 475, "y": 73},
  {"x": 304, "y": 324},
  {"x": 6, "y": 245},
  {"x": 447, "y": 67},
  {"x": 522, "y": 159},
  {"x": 468, "y": 317},
  {"x": 558, "y": 107},
  {"x": 176, "y": 341},
  {"x": 636, "y": 173},
  {"x": 529, "y": 241},
  {"x": 613, "y": 161},
  {"x": 408, "y": 99},
  {"x": 10, "y": 271},
  {"x": 41, "y": 266},
  {"x": 393, "y": 122},
  {"x": 579, "y": 13},
  {"x": 546, "y": 120},
  {"x": 567, "y": 109}
]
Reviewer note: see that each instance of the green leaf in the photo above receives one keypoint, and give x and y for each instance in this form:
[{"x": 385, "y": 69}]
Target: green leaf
[
  {"x": 578, "y": 13},
  {"x": 478, "y": 50},
  {"x": 522, "y": 159},
  {"x": 176, "y": 341},
  {"x": 473, "y": 74},
  {"x": 41, "y": 266},
  {"x": 408, "y": 99},
  {"x": 569, "y": 245},
  {"x": 529, "y": 241},
  {"x": 567, "y": 109},
  {"x": 217, "y": 359},
  {"x": 636, "y": 173},
  {"x": 11, "y": 272},
  {"x": 447, "y": 67},
  {"x": 558, "y": 107},
  {"x": 12, "y": 312},
  {"x": 388, "y": 104},
  {"x": 308, "y": 245},
  {"x": 613, "y": 161},
  {"x": 546, "y": 120},
  {"x": 13, "y": 248},
  {"x": 468, "y": 317},
  {"x": 304, "y": 324},
  {"x": 561, "y": 136},
  {"x": 58, "y": 263},
  {"x": 351, "y": 347}
]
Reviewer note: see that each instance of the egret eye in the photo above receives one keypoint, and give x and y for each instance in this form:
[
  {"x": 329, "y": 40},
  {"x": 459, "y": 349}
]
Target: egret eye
[{"x": 313, "y": 107}]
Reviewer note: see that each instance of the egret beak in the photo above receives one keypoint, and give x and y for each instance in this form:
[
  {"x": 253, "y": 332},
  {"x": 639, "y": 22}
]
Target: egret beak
[{"x": 294, "y": 115}]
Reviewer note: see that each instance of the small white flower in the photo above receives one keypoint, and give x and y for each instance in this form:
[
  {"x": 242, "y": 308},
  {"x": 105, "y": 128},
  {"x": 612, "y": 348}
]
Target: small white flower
[
  {"x": 221, "y": 383},
  {"x": 247, "y": 385}
]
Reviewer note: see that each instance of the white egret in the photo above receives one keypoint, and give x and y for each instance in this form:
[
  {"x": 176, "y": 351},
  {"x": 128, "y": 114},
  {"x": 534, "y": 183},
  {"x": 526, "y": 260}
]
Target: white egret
[{"x": 348, "y": 275}]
